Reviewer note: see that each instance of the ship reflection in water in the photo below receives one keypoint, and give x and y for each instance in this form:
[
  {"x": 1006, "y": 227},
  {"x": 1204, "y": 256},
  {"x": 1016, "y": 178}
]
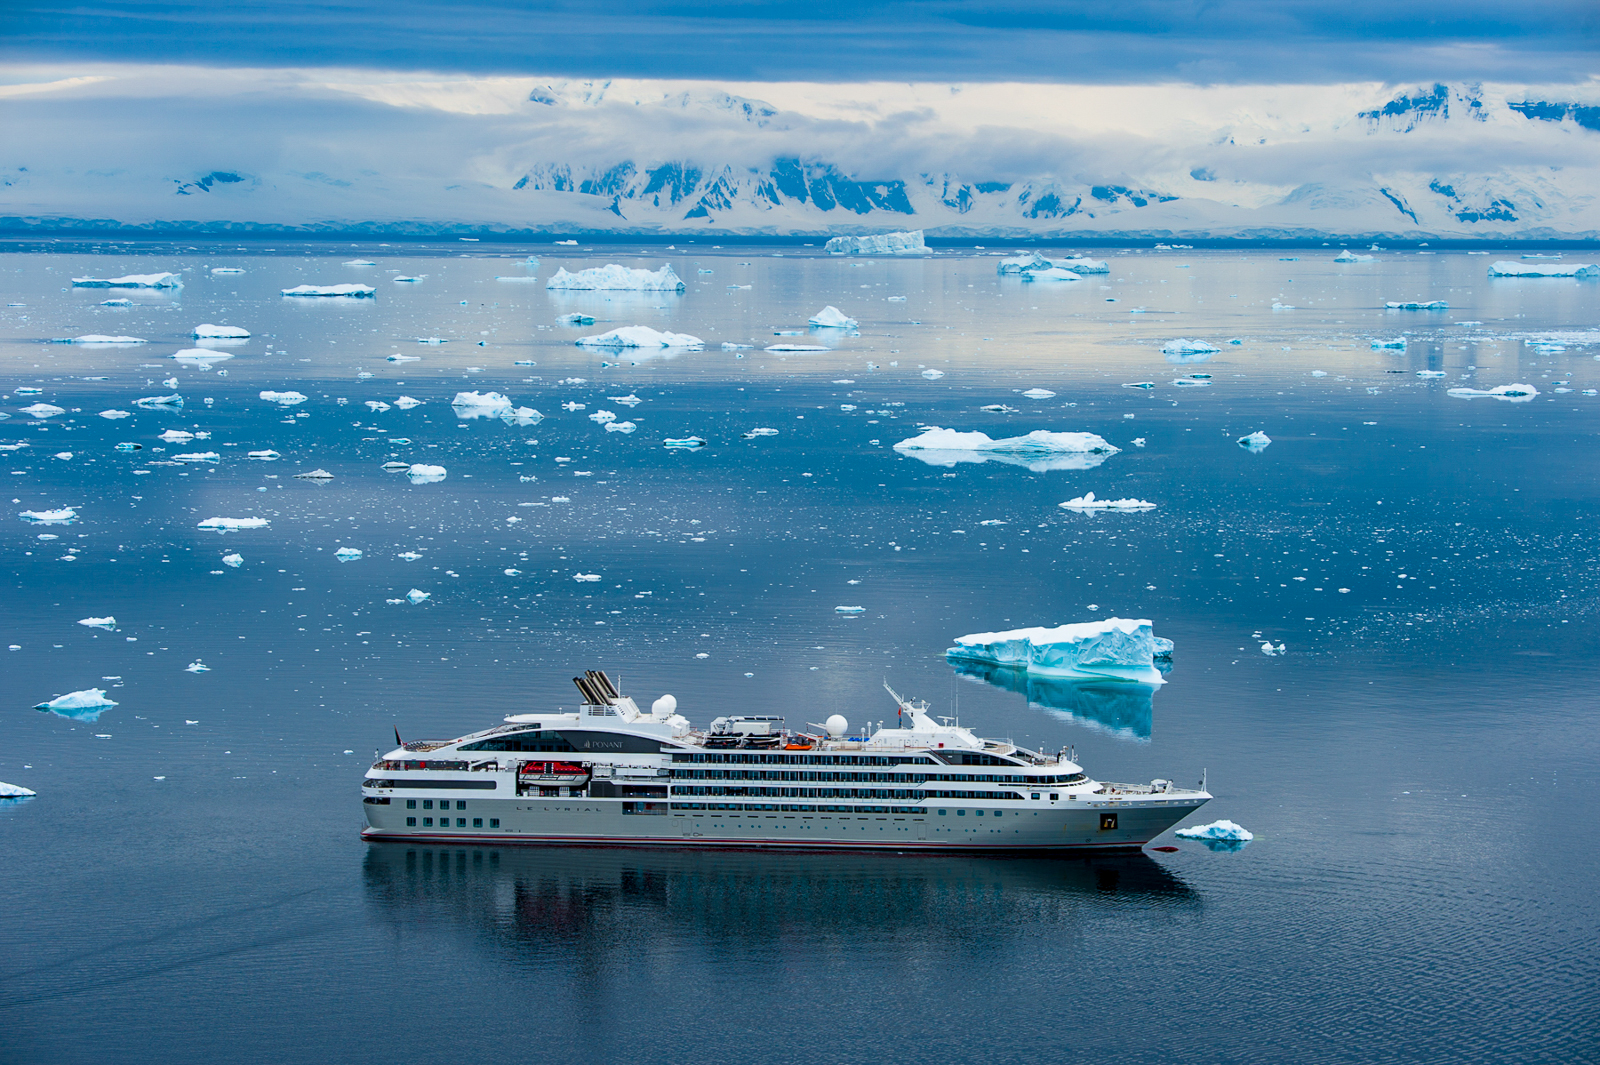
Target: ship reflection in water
[
  {"x": 1122, "y": 708},
  {"x": 528, "y": 899}
]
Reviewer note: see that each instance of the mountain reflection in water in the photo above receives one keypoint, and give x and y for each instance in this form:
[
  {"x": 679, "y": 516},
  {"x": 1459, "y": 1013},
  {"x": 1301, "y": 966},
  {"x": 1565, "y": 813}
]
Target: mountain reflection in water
[{"x": 1121, "y": 708}]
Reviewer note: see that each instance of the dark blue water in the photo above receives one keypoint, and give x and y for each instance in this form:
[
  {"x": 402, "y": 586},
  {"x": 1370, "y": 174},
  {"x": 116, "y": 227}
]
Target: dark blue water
[{"x": 1418, "y": 764}]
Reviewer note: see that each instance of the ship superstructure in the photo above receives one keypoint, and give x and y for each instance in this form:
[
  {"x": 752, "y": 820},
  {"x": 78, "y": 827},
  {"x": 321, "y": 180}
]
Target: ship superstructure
[{"x": 610, "y": 773}]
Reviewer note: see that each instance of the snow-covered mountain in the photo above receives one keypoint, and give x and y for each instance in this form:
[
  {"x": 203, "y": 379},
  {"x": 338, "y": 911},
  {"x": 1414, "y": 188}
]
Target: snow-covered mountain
[{"x": 209, "y": 150}]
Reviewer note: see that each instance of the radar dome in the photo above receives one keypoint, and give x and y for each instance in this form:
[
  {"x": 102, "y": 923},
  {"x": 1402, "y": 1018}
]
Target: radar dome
[
  {"x": 837, "y": 726},
  {"x": 665, "y": 706}
]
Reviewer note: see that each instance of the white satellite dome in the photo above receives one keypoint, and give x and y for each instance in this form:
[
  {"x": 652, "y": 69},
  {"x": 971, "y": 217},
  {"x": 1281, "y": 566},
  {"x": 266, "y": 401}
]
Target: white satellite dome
[
  {"x": 837, "y": 726},
  {"x": 665, "y": 706}
]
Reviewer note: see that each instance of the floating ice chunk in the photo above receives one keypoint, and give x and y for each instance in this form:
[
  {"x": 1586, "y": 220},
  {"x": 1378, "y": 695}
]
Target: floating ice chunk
[
  {"x": 196, "y": 666},
  {"x": 285, "y": 399},
  {"x": 641, "y": 336},
  {"x": 130, "y": 281},
  {"x": 629, "y": 400},
  {"x": 1256, "y": 441},
  {"x": 197, "y": 456},
  {"x": 620, "y": 427},
  {"x": 108, "y": 623},
  {"x": 849, "y": 610},
  {"x": 405, "y": 358},
  {"x": 831, "y": 317},
  {"x": 405, "y": 280},
  {"x": 1039, "y": 393},
  {"x": 1510, "y": 269},
  {"x": 1082, "y": 266},
  {"x": 1054, "y": 273},
  {"x": 588, "y": 577},
  {"x": 417, "y": 595},
  {"x": 43, "y": 410},
  {"x": 603, "y": 416},
  {"x": 1268, "y": 649},
  {"x": 480, "y": 402},
  {"x": 315, "y": 475},
  {"x": 1185, "y": 346},
  {"x": 99, "y": 340},
  {"x": 15, "y": 791},
  {"x": 1417, "y": 305},
  {"x": 431, "y": 340},
  {"x": 521, "y": 416},
  {"x": 265, "y": 456},
  {"x": 115, "y": 415},
  {"x": 575, "y": 319},
  {"x": 233, "y": 524},
  {"x": 421, "y": 473},
  {"x": 409, "y": 556},
  {"x": 1398, "y": 343},
  {"x": 63, "y": 516},
  {"x": 116, "y": 303},
  {"x": 1038, "y": 442},
  {"x": 901, "y": 243},
  {"x": 176, "y": 436},
  {"x": 1348, "y": 256},
  {"x": 1518, "y": 393},
  {"x": 159, "y": 402},
  {"x": 233, "y": 561},
  {"x": 787, "y": 347},
  {"x": 752, "y": 434},
  {"x": 406, "y": 402},
  {"x": 1430, "y": 373},
  {"x": 613, "y": 277},
  {"x": 1226, "y": 831},
  {"x": 516, "y": 277},
  {"x": 1139, "y": 384},
  {"x": 684, "y": 442},
  {"x": 998, "y": 408},
  {"x": 930, "y": 373},
  {"x": 1087, "y": 503},
  {"x": 1022, "y": 264},
  {"x": 1117, "y": 648},
  {"x": 220, "y": 332},
  {"x": 347, "y": 554},
  {"x": 377, "y": 405},
  {"x": 92, "y": 700},
  {"x": 360, "y": 262},
  {"x": 350, "y": 291}
]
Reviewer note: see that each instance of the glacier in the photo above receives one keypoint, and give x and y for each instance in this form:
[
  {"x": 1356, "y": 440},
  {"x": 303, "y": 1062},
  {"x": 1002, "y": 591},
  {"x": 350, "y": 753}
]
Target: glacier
[
  {"x": 1117, "y": 648},
  {"x": 1038, "y": 451},
  {"x": 130, "y": 281},
  {"x": 1511, "y": 269},
  {"x": 640, "y": 336},
  {"x": 614, "y": 277},
  {"x": 904, "y": 243}
]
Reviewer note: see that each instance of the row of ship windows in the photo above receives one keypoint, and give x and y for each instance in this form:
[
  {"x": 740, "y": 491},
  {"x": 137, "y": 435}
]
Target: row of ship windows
[
  {"x": 790, "y": 808},
  {"x": 746, "y": 758},
  {"x": 444, "y": 804},
  {"x": 842, "y": 793},
  {"x": 883, "y": 778},
  {"x": 444, "y": 822}
]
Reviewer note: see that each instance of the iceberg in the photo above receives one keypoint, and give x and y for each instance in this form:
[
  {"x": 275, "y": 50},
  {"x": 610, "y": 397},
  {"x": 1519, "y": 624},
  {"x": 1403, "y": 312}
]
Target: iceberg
[
  {"x": 831, "y": 317},
  {"x": 689, "y": 442},
  {"x": 107, "y": 623},
  {"x": 99, "y": 339},
  {"x": 15, "y": 791},
  {"x": 86, "y": 705},
  {"x": 1510, "y": 269},
  {"x": 1087, "y": 503},
  {"x": 315, "y": 475},
  {"x": 1083, "y": 266},
  {"x": 1039, "y": 450},
  {"x": 930, "y": 373},
  {"x": 520, "y": 416},
  {"x": 197, "y": 666},
  {"x": 417, "y": 595},
  {"x": 202, "y": 357},
  {"x": 347, "y": 554},
  {"x": 575, "y": 319},
  {"x": 1039, "y": 393},
  {"x": 360, "y": 262},
  {"x": 115, "y": 415},
  {"x": 406, "y": 402},
  {"x": 1348, "y": 256},
  {"x": 1417, "y": 305},
  {"x": 1184, "y": 346},
  {"x": 43, "y": 410},
  {"x": 63, "y": 516},
  {"x": 198, "y": 456},
  {"x": 620, "y": 427},
  {"x": 1226, "y": 831},
  {"x": 902, "y": 243},
  {"x": 1054, "y": 273},
  {"x": 1021, "y": 264},
  {"x": 233, "y": 524},
  {"x": 422, "y": 473},
  {"x": 614, "y": 277},
  {"x": 1515, "y": 393},
  {"x": 1116, "y": 648},
  {"x": 233, "y": 560},
  {"x": 268, "y": 455},
  {"x": 352, "y": 291},
  {"x": 1256, "y": 441},
  {"x": 1398, "y": 343},
  {"x": 640, "y": 336},
  {"x": 478, "y": 404},
  {"x": 849, "y": 610},
  {"x": 286, "y": 399},
  {"x": 219, "y": 332},
  {"x": 171, "y": 402},
  {"x": 130, "y": 281}
]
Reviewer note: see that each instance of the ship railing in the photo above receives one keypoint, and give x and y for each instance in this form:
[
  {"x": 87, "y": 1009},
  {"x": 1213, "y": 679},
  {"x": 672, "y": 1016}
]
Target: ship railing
[{"x": 1166, "y": 787}]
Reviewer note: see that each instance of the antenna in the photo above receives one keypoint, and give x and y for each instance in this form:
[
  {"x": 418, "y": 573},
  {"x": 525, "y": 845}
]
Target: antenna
[{"x": 397, "y": 740}]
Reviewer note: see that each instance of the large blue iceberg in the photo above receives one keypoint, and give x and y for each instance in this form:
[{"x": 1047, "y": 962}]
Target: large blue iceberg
[{"x": 1117, "y": 648}]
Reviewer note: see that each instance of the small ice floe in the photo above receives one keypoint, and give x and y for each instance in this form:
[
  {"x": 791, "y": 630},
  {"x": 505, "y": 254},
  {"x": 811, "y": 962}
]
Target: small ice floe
[
  {"x": 197, "y": 456},
  {"x": 284, "y": 399},
  {"x": 480, "y": 404},
  {"x": 603, "y": 416},
  {"x": 1186, "y": 350},
  {"x": 794, "y": 347},
  {"x": 1124, "y": 649},
  {"x": 1080, "y": 265},
  {"x": 1138, "y": 441},
  {"x": 226, "y": 270},
  {"x": 1417, "y": 305},
  {"x": 430, "y": 340},
  {"x": 573, "y": 405},
  {"x": 1510, "y": 269},
  {"x": 1348, "y": 256},
  {"x": 196, "y": 666},
  {"x": 233, "y": 561},
  {"x": 575, "y": 319},
  {"x": 1398, "y": 343},
  {"x": 99, "y": 340},
  {"x": 360, "y": 262},
  {"x": 116, "y": 303},
  {"x": 1221, "y": 831},
  {"x": 408, "y": 556},
  {"x": 620, "y": 427},
  {"x": 1517, "y": 393},
  {"x": 108, "y": 623},
  {"x": 43, "y": 410},
  {"x": 314, "y": 475},
  {"x": 116, "y": 415},
  {"x": 422, "y": 473},
  {"x": 1268, "y": 649},
  {"x": 1430, "y": 373},
  {"x": 641, "y": 336},
  {"x": 998, "y": 408},
  {"x": 1020, "y": 264},
  {"x": 347, "y": 291},
  {"x": 1139, "y": 384},
  {"x": 849, "y": 610},
  {"x": 171, "y": 382},
  {"x": 614, "y": 278},
  {"x": 1191, "y": 382},
  {"x": 831, "y": 317},
  {"x": 1087, "y": 503},
  {"x": 377, "y": 405},
  {"x": 175, "y": 436},
  {"x": 1039, "y": 393},
  {"x": 417, "y": 595},
  {"x": 406, "y": 279},
  {"x": 521, "y": 416},
  {"x": 15, "y": 791},
  {"x": 347, "y": 554},
  {"x": 405, "y": 358},
  {"x": 588, "y": 577},
  {"x": 684, "y": 442},
  {"x": 172, "y": 402},
  {"x": 406, "y": 402},
  {"x": 79, "y": 704},
  {"x": 516, "y": 277},
  {"x": 752, "y": 434},
  {"x": 264, "y": 456},
  {"x": 127, "y": 445},
  {"x": 63, "y": 516},
  {"x": 1054, "y": 273},
  {"x": 629, "y": 400},
  {"x": 932, "y": 374},
  {"x": 130, "y": 281},
  {"x": 220, "y": 332},
  {"x": 729, "y": 346},
  {"x": 395, "y": 466},
  {"x": 1039, "y": 450},
  {"x": 1256, "y": 441},
  {"x": 234, "y": 524}
]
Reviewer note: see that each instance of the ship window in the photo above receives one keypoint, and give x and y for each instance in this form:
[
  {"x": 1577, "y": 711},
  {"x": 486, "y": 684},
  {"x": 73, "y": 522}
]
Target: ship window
[
  {"x": 1036, "y": 795},
  {"x": 941, "y": 813},
  {"x": 411, "y": 804},
  {"x": 961, "y": 813},
  {"x": 428, "y": 821},
  {"x": 997, "y": 813},
  {"x": 427, "y": 804},
  {"x": 494, "y": 822},
  {"x": 477, "y": 822},
  {"x": 411, "y": 822},
  {"x": 980, "y": 813},
  {"x": 461, "y": 822},
  {"x": 461, "y": 804}
]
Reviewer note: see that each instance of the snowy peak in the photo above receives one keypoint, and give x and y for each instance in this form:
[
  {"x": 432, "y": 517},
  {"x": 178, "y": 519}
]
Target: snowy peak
[{"x": 1420, "y": 107}]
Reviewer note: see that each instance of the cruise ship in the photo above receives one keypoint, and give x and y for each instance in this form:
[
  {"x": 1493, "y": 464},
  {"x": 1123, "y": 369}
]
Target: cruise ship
[{"x": 611, "y": 774}]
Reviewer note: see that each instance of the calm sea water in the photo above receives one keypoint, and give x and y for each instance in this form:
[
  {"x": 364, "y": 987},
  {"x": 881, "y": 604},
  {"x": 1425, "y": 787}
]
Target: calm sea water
[{"x": 1418, "y": 763}]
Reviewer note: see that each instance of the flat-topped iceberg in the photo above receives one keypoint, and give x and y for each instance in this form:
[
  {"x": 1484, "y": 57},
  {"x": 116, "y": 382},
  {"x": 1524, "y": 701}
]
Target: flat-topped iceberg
[
  {"x": 1039, "y": 450},
  {"x": 1515, "y": 393},
  {"x": 1417, "y": 305},
  {"x": 903, "y": 243},
  {"x": 285, "y": 399},
  {"x": 108, "y": 623},
  {"x": 220, "y": 332},
  {"x": 1079, "y": 265},
  {"x": 203, "y": 357},
  {"x": 43, "y": 410},
  {"x": 131, "y": 281},
  {"x": 1397, "y": 343},
  {"x": 1117, "y": 648},
  {"x": 614, "y": 277},
  {"x": 100, "y": 339},
  {"x": 233, "y": 524},
  {"x": 1087, "y": 503},
  {"x": 63, "y": 516},
  {"x": 1511, "y": 269},
  {"x": 640, "y": 336},
  {"x": 831, "y": 317},
  {"x": 350, "y": 291}
]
